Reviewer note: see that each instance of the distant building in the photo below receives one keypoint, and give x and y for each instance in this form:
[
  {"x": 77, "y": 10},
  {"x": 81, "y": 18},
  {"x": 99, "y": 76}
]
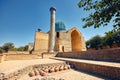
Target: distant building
[{"x": 30, "y": 47}]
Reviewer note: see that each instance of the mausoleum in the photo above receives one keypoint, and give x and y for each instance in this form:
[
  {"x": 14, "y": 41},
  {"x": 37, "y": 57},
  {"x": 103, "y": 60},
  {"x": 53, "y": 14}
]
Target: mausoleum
[{"x": 58, "y": 39}]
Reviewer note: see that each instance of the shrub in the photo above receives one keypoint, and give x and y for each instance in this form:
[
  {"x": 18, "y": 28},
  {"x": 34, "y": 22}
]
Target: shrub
[{"x": 1, "y": 50}]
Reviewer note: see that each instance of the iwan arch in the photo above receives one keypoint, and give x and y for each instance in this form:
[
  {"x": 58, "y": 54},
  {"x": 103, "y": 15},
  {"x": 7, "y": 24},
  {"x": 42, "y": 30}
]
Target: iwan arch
[{"x": 58, "y": 39}]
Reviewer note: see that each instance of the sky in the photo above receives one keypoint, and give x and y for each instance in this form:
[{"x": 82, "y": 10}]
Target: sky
[{"x": 19, "y": 19}]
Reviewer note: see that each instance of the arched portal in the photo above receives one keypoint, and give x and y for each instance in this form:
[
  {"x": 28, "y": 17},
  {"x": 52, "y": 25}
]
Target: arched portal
[{"x": 75, "y": 41}]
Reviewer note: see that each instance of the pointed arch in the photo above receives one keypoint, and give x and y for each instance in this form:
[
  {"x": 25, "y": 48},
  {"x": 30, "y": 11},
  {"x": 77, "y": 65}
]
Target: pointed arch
[{"x": 76, "y": 43}]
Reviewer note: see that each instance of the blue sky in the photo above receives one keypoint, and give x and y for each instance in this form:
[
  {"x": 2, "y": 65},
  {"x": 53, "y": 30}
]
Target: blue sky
[{"x": 19, "y": 19}]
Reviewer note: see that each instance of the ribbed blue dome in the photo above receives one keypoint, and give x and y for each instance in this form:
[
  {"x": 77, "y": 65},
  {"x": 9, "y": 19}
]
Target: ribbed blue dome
[{"x": 60, "y": 26}]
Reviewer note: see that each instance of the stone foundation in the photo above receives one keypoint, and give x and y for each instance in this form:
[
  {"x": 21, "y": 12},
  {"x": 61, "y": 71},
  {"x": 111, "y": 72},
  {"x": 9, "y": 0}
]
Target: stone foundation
[
  {"x": 17, "y": 73},
  {"x": 106, "y": 71}
]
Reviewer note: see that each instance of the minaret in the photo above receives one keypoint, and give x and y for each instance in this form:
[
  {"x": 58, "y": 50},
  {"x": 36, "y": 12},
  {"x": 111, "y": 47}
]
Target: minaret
[{"x": 52, "y": 30}]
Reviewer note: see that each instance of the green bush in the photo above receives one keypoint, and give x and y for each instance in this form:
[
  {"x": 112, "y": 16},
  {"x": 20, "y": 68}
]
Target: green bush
[{"x": 1, "y": 51}]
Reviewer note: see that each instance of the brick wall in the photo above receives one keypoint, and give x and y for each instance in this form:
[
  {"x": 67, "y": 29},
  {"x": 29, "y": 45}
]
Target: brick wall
[
  {"x": 106, "y": 71},
  {"x": 104, "y": 55}
]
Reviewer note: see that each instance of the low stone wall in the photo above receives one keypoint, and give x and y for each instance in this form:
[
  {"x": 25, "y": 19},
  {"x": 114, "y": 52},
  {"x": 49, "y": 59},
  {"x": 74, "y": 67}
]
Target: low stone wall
[
  {"x": 96, "y": 67},
  {"x": 106, "y": 71},
  {"x": 103, "y": 55},
  {"x": 48, "y": 55},
  {"x": 20, "y": 56},
  {"x": 6, "y": 57},
  {"x": 17, "y": 52}
]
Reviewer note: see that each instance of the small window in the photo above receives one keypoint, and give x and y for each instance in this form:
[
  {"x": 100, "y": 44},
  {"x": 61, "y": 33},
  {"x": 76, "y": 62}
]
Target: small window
[{"x": 58, "y": 35}]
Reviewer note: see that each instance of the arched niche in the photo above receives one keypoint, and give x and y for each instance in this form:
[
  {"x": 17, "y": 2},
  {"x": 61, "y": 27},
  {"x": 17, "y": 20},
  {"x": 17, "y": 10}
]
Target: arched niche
[{"x": 75, "y": 41}]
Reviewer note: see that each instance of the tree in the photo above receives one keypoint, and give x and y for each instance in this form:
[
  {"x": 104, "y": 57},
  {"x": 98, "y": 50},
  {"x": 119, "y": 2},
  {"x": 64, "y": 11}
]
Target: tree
[
  {"x": 103, "y": 12},
  {"x": 88, "y": 44},
  {"x": 112, "y": 37},
  {"x": 1, "y": 50},
  {"x": 109, "y": 40},
  {"x": 23, "y": 48},
  {"x": 8, "y": 46},
  {"x": 94, "y": 42},
  {"x": 26, "y": 48},
  {"x": 116, "y": 37}
]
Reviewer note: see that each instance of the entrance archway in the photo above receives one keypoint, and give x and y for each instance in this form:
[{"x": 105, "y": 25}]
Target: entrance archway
[
  {"x": 63, "y": 48},
  {"x": 75, "y": 41}
]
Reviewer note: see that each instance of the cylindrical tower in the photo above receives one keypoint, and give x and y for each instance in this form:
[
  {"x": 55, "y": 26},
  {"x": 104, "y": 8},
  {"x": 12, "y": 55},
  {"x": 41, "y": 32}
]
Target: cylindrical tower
[{"x": 52, "y": 30}]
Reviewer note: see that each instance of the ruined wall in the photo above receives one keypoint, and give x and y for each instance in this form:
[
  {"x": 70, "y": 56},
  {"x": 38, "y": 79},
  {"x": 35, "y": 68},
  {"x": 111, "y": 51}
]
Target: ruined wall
[
  {"x": 20, "y": 56},
  {"x": 103, "y": 55},
  {"x": 41, "y": 42},
  {"x": 106, "y": 71}
]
